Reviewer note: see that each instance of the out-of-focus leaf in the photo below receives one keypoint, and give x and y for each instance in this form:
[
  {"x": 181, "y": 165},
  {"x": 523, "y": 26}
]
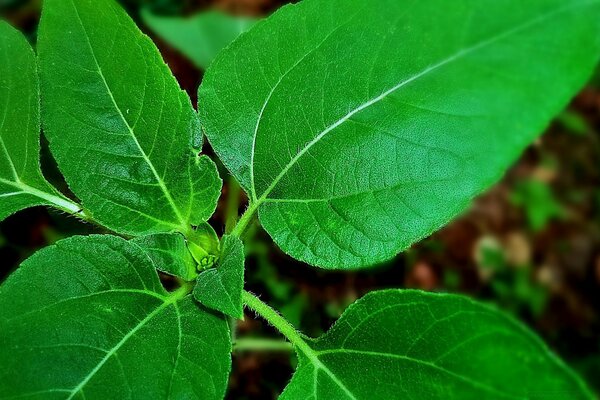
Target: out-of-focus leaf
[
  {"x": 201, "y": 36},
  {"x": 538, "y": 202}
]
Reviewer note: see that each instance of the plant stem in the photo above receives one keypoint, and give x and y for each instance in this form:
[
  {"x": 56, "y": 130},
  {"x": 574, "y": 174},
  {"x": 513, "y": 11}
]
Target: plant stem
[
  {"x": 233, "y": 204},
  {"x": 246, "y": 218},
  {"x": 60, "y": 202},
  {"x": 232, "y": 329},
  {"x": 183, "y": 290},
  {"x": 275, "y": 319},
  {"x": 260, "y": 344}
]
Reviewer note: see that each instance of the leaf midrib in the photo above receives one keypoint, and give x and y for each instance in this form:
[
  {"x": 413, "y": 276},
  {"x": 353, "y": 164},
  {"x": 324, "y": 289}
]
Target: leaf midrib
[
  {"x": 159, "y": 180},
  {"x": 54, "y": 200},
  {"x": 167, "y": 301},
  {"x": 420, "y": 362},
  {"x": 313, "y": 357},
  {"x": 274, "y": 88},
  {"x": 457, "y": 56}
]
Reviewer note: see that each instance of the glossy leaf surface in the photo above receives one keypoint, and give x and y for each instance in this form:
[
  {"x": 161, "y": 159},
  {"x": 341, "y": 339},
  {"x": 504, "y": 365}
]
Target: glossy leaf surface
[
  {"x": 407, "y": 344},
  {"x": 88, "y": 318},
  {"x": 221, "y": 288},
  {"x": 199, "y": 37},
  {"x": 124, "y": 134},
  {"x": 21, "y": 182},
  {"x": 358, "y": 128}
]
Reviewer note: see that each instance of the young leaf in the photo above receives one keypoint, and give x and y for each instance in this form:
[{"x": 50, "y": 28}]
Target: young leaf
[
  {"x": 88, "y": 318},
  {"x": 201, "y": 36},
  {"x": 204, "y": 245},
  {"x": 221, "y": 288},
  {"x": 401, "y": 343},
  {"x": 358, "y": 128},
  {"x": 21, "y": 182},
  {"x": 124, "y": 135},
  {"x": 169, "y": 254}
]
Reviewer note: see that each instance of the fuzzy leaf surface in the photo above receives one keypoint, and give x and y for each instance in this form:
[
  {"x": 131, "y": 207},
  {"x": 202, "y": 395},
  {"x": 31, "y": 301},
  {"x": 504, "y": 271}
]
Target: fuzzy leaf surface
[
  {"x": 21, "y": 182},
  {"x": 221, "y": 288},
  {"x": 358, "y": 128},
  {"x": 397, "y": 344},
  {"x": 124, "y": 134},
  {"x": 88, "y": 318}
]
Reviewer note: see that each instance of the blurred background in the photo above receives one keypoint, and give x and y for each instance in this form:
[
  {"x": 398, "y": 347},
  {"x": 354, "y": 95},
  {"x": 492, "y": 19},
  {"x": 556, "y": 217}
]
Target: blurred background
[{"x": 530, "y": 245}]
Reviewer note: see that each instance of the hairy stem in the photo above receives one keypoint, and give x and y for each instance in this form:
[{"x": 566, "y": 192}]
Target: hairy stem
[
  {"x": 59, "y": 202},
  {"x": 71, "y": 207},
  {"x": 183, "y": 290},
  {"x": 233, "y": 204},
  {"x": 245, "y": 220},
  {"x": 260, "y": 344},
  {"x": 275, "y": 319}
]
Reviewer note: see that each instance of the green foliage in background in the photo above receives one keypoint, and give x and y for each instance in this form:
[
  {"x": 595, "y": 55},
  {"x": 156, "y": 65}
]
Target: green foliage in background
[
  {"x": 538, "y": 202},
  {"x": 199, "y": 37}
]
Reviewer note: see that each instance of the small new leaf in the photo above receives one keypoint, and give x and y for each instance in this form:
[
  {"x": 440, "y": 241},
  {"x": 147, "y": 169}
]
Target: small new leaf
[
  {"x": 221, "y": 288},
  {"x": 170, "y": 254},
  {"x": 88, "y": 318},
  {"x": 124, "y": 134},
  {"x": 203, "y": 243},
  {"x": 408, "y": 344}
]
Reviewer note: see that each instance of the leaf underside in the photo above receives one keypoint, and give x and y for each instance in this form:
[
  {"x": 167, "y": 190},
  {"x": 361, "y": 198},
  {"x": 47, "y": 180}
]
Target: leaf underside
[
  {"x": 398, "y": 344},
  {"x": 97, "y": 324},
  {"x": 124, "y": 134},
  {"x": 361, "y": 127}
]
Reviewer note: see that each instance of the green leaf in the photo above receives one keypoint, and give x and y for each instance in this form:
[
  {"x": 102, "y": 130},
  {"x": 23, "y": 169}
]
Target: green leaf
[
  {"x": 169, "y": 254},
  {"x": 221, "y": 288},
  {"x": 359, "y": 128},
  {"x": 122, "y": 131},
  {"x": 410, "y": 344},
  {"x": 199, "y": 37},
  {"x": 21, "y": 182},
  {"x": 88, "y": 318}
]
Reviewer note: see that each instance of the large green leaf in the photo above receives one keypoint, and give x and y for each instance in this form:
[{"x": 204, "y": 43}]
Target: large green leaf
[
  {"x": 358, "y": 127},
  {"x": 124, "y": 135},
  {"x": 21, "y": 182},
  {"x": 221, "y": 288},
  {"x": 199, "y": 37},
  {"x": 88, "y": 318},
  {"x": 407, "y": 344}
]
